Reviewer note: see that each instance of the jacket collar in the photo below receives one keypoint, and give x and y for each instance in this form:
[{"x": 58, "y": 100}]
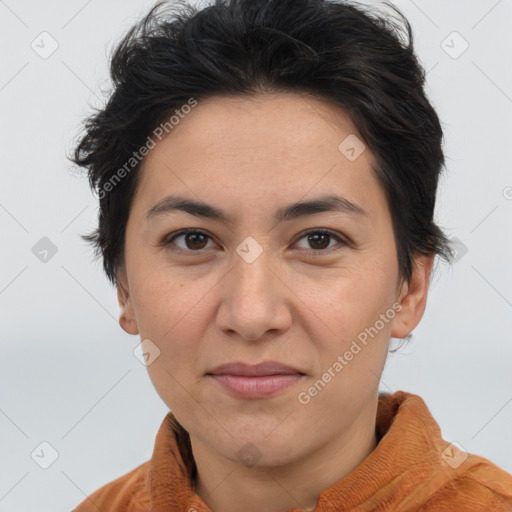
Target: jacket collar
[{"x": 408, "y": 454}]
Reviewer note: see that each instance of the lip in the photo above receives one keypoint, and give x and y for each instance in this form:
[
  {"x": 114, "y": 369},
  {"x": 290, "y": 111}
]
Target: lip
[
  {"x": 262, "y": 380},
  {"x": 254, "y": 370},
  {"x": 241, "y": 386}
]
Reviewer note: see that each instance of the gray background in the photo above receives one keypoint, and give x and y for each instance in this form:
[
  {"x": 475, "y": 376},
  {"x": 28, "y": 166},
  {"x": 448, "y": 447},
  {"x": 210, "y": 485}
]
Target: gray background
[{"x": 68, "y": 375}]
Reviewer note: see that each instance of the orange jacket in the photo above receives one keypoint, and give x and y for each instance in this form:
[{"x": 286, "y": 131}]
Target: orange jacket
[{"x": 411, "y": 469}]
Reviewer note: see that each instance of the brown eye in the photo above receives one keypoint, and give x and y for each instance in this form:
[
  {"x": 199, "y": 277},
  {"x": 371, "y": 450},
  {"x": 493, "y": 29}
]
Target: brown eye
[
  {"x": 195, "y": 241},
  {"x": 191, "y": 240},
  {"x": 319, "y": 242}
]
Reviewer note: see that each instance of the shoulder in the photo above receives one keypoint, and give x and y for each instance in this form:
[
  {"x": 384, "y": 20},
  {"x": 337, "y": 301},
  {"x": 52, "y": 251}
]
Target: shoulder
[
  {"x": 481, "y": 486},
  {"x": 128, "y": 493}
]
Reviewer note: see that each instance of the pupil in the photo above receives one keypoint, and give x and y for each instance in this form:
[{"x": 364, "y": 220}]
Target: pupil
[
  {"x": 324, "y": 236},
  {"x": 192, "y": 236}
]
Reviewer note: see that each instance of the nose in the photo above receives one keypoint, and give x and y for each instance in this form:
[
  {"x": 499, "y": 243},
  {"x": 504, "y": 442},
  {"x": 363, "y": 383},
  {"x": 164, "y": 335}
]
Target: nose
[{"x": 254, "y": 300}]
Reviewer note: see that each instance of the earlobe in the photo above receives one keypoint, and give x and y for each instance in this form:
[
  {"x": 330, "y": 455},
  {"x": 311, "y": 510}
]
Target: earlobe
[
  {"x": 127, "y": 319},
  {"x": 413, "y": 297}
]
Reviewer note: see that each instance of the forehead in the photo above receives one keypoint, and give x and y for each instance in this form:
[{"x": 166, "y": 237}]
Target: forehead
[
  {"x": 261, "y": 125},
  {"x": 250, "y": 151}
]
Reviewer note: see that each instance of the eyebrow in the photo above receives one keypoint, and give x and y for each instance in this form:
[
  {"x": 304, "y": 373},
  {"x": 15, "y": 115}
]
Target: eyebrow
[{"x": 327, "y": 203}]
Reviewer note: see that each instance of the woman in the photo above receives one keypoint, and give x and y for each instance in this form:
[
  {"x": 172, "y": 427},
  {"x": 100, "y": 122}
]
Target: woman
[{"x": 267, "y": 174}]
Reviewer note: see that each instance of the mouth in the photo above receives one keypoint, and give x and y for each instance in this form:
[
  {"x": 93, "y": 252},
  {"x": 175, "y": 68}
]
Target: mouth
[
  {"x": 264, "y": 386},
  {"x": 245, "y": 381},
  {"x": 265, "y": 368}
]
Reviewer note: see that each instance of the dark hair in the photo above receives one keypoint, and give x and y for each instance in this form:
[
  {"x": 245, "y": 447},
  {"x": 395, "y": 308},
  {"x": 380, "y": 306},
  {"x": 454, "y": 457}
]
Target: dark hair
[{"x": 340, "y": 52}]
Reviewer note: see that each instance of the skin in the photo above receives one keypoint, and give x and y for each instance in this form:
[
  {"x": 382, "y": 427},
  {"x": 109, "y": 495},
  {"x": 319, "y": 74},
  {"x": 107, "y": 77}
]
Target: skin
[{"x": 251, "y": 156}]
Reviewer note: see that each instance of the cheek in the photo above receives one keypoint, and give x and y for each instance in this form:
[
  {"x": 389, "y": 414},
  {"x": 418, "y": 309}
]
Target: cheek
[
  {"x": 358, "y": 298},
  {"x": 171, "y": 312},
  {"x": 163, "y": 302},
  {"x": 173, "y": 326},
  {"x": 357, "y": 331}
]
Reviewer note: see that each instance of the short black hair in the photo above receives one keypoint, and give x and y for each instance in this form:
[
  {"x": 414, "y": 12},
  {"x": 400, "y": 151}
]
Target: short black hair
[{"x": 341, "y": 52}]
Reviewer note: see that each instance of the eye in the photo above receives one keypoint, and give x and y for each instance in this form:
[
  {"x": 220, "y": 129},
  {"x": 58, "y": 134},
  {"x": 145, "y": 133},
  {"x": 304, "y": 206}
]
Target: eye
[
  {"x": 320, "y": 239},
  {"x": 194, "y": 240}
]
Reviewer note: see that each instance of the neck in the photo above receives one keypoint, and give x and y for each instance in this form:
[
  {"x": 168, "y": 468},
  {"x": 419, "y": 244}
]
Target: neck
[{"x": 228, "y": 486}]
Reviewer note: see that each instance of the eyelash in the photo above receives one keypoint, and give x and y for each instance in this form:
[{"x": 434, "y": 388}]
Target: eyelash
[{"x": 310, "y": 252}]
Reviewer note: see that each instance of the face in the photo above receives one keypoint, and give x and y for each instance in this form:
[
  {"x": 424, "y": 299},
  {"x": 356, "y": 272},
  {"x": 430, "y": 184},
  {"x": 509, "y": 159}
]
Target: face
[{"x": 301, "y": 288}]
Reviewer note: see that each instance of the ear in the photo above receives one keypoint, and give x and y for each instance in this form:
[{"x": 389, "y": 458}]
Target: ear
[
  {"x": 413, "y": 297},
  {"x": 127, "y": 315}
]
